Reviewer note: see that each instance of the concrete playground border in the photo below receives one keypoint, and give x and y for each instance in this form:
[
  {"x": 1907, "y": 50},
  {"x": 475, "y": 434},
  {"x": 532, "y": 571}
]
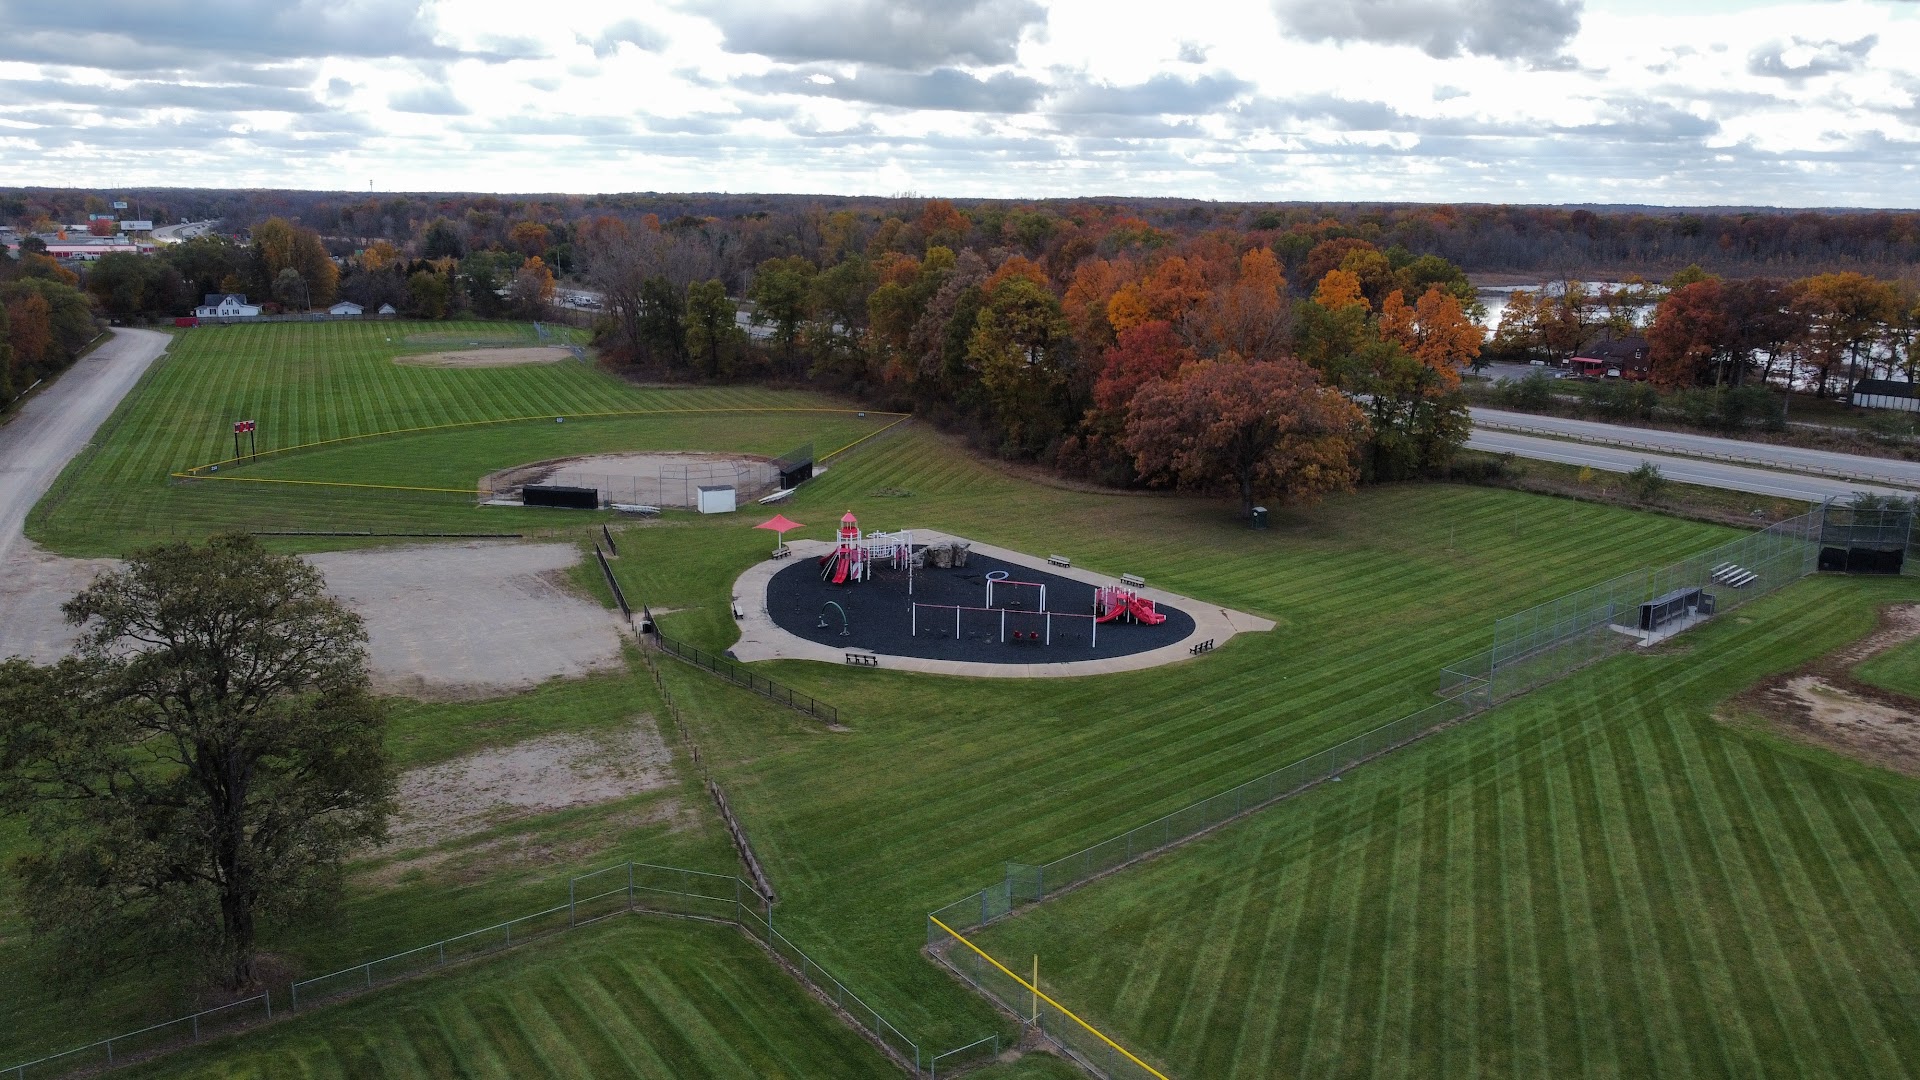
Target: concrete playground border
[{"x": 763, "y": 639}]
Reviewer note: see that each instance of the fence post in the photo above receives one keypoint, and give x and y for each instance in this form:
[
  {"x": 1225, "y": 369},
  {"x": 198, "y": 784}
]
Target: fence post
[
  {"x": 196, "y": 1027},
  {"x": 369, "y": 970},
  {"x": 630, "y": 885},
  {"x": 268, "y": 996},
  {"x": 570, "y": 901}
]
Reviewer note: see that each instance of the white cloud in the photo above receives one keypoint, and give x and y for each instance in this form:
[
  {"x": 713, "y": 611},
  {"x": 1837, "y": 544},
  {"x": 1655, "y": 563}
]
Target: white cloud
[{"x": 1717, "y": 101}]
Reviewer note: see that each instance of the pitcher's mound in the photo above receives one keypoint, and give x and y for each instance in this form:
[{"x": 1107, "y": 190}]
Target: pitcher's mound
[{"x": 532, "y": 354}]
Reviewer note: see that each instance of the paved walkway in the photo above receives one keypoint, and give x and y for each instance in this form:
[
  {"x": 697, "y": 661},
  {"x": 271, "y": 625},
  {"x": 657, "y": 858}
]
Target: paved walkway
[{"x": 762, "y": 639}]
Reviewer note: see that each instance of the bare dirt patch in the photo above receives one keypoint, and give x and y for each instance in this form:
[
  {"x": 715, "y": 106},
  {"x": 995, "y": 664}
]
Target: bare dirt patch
[
  {"x": 651, "y": 478},
  {"x": 482, "y": 790},
  {"x": 476, "y": 619},
  {"x": 33, "y": 585},
  {"x": 1822, "y": 703},
  {"x": 487, "y": 357}
]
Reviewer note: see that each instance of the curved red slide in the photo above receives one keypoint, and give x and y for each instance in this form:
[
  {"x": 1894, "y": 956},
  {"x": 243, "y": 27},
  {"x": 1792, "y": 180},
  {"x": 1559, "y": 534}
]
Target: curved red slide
[
  {"x": 840, "y": 572},
  {"x": 1142, "y": 609}
]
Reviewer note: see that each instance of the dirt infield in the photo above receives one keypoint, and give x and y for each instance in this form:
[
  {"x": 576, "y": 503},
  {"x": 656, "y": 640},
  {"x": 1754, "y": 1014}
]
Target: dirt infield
[
  {"x": 1823, "y": 703},
  {"x": 667, "y": 478},
  {"x": 487, "y": 357},
  {"x": 466, "y": 620}
]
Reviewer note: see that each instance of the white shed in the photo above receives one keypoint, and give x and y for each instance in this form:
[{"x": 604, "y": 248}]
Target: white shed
[
  {"x": 716, "y": 500},
  {"x": 346, "y": 307}
]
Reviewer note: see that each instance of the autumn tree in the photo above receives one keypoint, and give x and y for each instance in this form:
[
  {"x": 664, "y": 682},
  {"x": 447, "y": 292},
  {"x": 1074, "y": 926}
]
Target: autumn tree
[
  {"x": 1853, "y": 310},
  {"x": 204, "y": 763},
  {"x": 379, "y": 256},
  {"x": 529, "y": 238},
  {"x": 280, "y": 245},
  {"x": 531, "y": 292},
  {"x": 1690, "y": 336},
  {"x": 1250, "y": 316},
  {"x": 1262, "y": 430},
  {"x": 1435, "y": 330},
  {"x": 100, "y": 227}
]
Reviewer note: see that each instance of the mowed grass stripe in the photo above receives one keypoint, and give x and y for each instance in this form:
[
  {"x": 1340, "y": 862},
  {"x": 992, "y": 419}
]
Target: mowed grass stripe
[
  {"x": 632, "y": 997},
  {"x": 304, "y": 383},
  {"x": 1679, "y": 897}
]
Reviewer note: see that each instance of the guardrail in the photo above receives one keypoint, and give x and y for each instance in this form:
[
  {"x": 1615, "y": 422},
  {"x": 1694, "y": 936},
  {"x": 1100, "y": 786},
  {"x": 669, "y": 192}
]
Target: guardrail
[{"x": 1772, "y": 464}]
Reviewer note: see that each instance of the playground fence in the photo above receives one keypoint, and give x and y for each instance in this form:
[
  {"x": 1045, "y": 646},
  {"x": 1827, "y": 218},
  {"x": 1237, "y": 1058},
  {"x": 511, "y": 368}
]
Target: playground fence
[{"x": 740, "y": 676}]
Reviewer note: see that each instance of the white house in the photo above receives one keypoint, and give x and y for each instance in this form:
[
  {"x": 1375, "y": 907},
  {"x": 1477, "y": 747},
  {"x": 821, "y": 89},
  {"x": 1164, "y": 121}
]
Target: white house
[
  {"x": 227, "y": 306},
  {"x": 387, "y": 309},
  {"x": 346, "y": 307},
  {"x": 1885, "y": 394}
]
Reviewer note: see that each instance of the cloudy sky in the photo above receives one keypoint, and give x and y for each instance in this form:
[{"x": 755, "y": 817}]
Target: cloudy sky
[{"x": 1655, "y": 101}]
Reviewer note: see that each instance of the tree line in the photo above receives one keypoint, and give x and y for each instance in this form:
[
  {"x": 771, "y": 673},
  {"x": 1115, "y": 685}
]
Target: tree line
[
  {"x": 1076, "y": 353},
  {"x": 1822, "y": 332}
]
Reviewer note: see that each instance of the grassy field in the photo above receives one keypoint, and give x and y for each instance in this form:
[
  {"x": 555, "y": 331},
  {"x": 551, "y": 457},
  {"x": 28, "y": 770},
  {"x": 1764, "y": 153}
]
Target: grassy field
[
  {"x": 1599, "y": 880},
  {"x": 938, "y": 781},
  {"x": 634, "y": 997},
  {"x": 304, "y": 383}
]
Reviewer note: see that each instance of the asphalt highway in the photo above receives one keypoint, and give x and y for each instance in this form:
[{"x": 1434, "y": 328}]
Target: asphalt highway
[
  {"x": 1858, "y": 469},
  {"x": 1686, "y": 470}
]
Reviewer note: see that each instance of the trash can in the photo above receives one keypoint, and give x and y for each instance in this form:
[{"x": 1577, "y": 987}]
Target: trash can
[{"x": 1259, "y": 517}]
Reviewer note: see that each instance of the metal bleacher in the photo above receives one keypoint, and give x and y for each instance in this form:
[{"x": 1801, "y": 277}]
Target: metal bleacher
[{"x": 1734, "y": 576}]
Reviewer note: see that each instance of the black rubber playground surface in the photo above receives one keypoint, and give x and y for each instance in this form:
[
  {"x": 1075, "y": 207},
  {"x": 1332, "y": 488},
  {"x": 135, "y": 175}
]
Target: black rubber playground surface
[{"x": 879, "y": 617}]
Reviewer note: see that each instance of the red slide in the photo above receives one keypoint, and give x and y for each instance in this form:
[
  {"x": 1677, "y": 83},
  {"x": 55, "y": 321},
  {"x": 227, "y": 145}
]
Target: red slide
[
  {"x": 1113, "y": 613},
  {"x": 1142, "y": 609},
  {"x": 840, "y": 572}
]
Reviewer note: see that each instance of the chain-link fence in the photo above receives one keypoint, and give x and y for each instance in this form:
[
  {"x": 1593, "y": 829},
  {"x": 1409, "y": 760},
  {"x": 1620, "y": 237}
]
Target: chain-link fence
[
  {"x": 1546, "y": 642},
  {"x": 1023, "y": 998},
  {"x": 136, "y": 1045},
  {"x": 740, "y": 676},
  {"x": 625, "y": 888}
]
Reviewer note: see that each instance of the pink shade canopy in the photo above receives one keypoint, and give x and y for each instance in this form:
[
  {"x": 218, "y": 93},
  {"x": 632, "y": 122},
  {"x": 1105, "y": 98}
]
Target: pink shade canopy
[{"x": 779, "y": 524}]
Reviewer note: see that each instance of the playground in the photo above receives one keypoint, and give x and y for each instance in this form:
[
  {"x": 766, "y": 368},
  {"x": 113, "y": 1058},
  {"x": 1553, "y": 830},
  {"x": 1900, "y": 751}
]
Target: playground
[{"x": 931, "y": 602}]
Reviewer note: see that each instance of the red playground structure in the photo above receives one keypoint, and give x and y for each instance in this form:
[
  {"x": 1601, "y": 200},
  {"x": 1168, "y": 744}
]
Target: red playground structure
[
  {"x": 1111, "y": 602},
  {"x": 848, "y": 560},
  {"x": 857, "y": 555}
]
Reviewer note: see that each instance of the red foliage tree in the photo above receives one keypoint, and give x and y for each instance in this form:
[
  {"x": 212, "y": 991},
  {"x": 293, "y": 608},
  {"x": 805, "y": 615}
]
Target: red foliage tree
[
  {"x": 1261, "y": 430},
  {"x": 1690, "y": 331}
]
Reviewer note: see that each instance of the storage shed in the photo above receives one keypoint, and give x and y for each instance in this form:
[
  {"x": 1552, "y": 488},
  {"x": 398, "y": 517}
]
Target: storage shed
[{"x": 717, "y": 500}]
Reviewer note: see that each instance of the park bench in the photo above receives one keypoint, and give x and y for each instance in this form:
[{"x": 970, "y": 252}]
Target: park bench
[
  {"x": 863, "y": 659},
  {"x": 1134, "y": 580},
  {"x": 1059, "y": 560},
  {"x": 1203, "y": 647}
]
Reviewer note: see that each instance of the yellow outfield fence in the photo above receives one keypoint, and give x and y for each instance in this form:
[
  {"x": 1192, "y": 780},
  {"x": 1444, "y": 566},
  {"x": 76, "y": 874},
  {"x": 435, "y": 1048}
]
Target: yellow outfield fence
[
  {"x": 210, "y": 471},
  {"x": 1086, "y": 1044}
]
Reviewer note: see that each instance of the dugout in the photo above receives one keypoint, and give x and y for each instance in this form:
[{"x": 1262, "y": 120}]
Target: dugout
[
  {"x": 1673, "y": 607},
  {"x": 1865, "y": 539},
  {"x": 571, "y": 498},
  {"x": 795, "y": 466}
]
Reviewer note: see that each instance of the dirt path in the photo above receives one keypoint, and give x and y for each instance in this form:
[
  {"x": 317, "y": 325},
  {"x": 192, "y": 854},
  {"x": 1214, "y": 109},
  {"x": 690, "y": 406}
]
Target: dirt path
[{"x": 1824, "y": 704}]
